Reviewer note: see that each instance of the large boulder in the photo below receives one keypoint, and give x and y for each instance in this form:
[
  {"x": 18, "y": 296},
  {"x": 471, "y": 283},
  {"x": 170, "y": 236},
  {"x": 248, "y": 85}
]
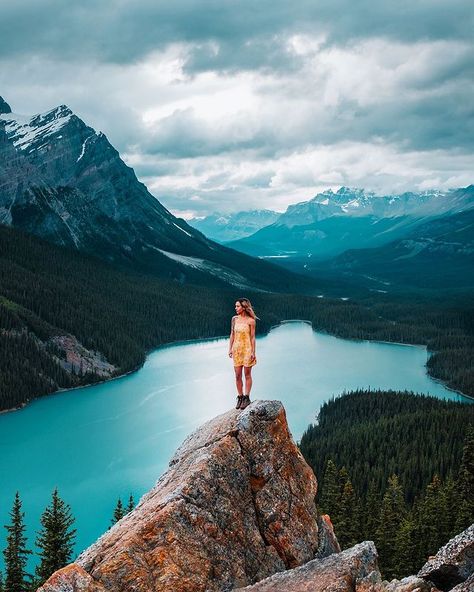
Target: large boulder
[
  {"x": 453, "y": 564},
  {"x": 235, "y": 506},
  {"x": 353, "y": 570},
  {"x": 339, "y": 572},
  {"x": 409, "y": 584}
]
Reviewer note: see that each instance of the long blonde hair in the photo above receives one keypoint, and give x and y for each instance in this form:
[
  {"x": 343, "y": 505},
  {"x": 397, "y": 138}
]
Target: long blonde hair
[{"x": 246, "y": 305}]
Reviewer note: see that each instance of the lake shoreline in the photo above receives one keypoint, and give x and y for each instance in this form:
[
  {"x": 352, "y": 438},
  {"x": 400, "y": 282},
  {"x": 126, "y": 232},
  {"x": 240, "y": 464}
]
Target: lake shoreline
[{"x": 203, "y": 339}]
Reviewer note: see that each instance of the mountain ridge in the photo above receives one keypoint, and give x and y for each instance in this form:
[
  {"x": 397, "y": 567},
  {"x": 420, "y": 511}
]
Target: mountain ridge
[
  {"x": 65, "y": 182},
  {"x": 332, "y": 223}
]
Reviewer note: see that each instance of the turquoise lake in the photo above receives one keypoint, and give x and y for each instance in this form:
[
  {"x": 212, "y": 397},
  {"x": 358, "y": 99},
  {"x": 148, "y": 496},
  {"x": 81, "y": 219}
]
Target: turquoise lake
[{"x": 101, "y": 442}]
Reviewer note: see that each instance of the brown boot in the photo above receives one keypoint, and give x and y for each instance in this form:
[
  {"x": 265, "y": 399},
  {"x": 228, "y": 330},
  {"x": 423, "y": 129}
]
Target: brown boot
[
  {"x": 239, "y": 401},
  {"x": 245, "y": 402}
]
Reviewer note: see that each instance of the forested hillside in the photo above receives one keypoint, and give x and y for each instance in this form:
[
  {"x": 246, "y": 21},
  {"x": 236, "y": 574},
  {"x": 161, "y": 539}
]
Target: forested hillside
[{"x": 394, "y": 468}]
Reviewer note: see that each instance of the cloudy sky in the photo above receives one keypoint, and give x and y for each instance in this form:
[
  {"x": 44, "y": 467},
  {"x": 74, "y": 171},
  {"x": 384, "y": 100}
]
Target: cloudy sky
[{"x": 227, "y": 105}]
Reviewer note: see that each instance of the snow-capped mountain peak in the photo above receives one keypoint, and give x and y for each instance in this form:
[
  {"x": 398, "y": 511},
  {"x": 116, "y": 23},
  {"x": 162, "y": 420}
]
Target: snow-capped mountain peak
[
  {"x": 356, "y": 202},
  {"x": 27, "y": 132}
]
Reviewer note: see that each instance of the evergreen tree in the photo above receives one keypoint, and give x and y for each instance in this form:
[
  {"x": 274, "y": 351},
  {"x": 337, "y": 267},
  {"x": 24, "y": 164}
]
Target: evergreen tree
[
  {"x": 347, "y": 526},
  {"x": 392, "y": 514},
  {"x": 465, "y": 488},
  {"x": 131, "y": 504},
  {"x": 329, "y": 502},
  {"x": 16, "y": 553},
  {"x": 450, "y": 504},
  {"x": 119, "y": 512},
  {"x": 56, "y": 538},
  {"x": 405, "y": 547},
  {"x": 371, "y": 512},
  {"x": 1, "y": 582},
  {"x": 430, "y": 515}
]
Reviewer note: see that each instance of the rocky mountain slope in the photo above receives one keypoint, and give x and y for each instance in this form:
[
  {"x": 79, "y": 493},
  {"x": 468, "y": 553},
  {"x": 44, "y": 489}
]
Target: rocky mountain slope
[
  {"x": 234, "y": 509},
  {"x": 438, "y": 253},
  {"x": 65, "y": 182},
  {"x": 332, "y": 223}
]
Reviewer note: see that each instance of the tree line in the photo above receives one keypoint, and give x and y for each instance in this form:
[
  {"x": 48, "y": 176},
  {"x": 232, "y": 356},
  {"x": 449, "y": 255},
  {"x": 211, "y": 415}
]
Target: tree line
[
  {"x": 55, "y": 541},
  {"x": 393, "y": 501}
]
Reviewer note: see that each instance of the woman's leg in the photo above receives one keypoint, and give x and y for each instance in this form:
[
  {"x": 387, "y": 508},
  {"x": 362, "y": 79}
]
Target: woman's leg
[
  {"x": 248, "y": 380},
  {"x": 238, "y": 379}
]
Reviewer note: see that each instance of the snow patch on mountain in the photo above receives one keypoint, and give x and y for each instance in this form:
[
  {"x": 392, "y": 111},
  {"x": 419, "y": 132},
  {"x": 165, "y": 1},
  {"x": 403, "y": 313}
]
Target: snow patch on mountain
[
  {"x": 83, "y": 148},
  {"x": 24, "y": 130},
  {"x": 182, "y": 230},
  {"x": 223, "y": 273}
]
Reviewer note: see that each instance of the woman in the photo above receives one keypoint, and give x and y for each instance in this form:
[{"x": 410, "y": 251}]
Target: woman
[{"x": 242, "y": 348}]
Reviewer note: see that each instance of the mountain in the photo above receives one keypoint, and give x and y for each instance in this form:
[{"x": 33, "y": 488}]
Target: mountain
[
  {"x": 360, "y": 203},
  {"x": 332, "y": 223},
  {"x": 228, "y": 227},
  {"x": 438, "y": 253},
  {"x": 65, "y": 182}
]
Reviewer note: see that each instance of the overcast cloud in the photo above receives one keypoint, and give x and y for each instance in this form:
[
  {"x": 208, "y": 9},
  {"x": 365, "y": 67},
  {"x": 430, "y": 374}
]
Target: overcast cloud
[{"x": 223, "y": 105}]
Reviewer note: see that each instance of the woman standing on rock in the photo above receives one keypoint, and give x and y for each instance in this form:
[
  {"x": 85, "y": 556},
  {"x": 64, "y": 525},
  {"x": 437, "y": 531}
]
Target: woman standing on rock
[{"x": 242, "y": 348}]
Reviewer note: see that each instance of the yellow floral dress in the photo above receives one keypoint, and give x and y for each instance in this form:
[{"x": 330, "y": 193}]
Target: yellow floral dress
[{"x": 242, "y": 346}]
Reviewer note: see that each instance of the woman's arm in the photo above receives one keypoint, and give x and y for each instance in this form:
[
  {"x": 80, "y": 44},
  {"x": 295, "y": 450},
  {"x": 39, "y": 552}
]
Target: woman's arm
[
  {"x": 231, "y": 342},
  {"x": 252, "y": 337}
]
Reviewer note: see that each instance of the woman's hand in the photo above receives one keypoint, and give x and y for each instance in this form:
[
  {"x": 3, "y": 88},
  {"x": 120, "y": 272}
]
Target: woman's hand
[
  {"x": 252, "y": 356},
  {"x": 230, "y": 354}
]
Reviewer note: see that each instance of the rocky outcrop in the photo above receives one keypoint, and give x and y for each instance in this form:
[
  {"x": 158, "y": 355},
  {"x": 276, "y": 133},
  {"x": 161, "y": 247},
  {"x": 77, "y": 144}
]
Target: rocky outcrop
[
  {"x": 409, "y": 584},
  {"x": 353, "y": 570},
  {"x": 453, "y": 564},
  {"x": 327, "y": 541},
  {"x": 235, "y": 506},
  {"x": 74, "y": 357},
  {"x": 339, "y": 572},
  {"x": 235, "y": 511}
]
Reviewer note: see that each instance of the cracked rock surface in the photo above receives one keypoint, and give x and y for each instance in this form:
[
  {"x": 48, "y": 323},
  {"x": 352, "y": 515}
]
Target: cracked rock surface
[
  {"x": 453, "y": 564},
  {"x": 236, "y": 505}
]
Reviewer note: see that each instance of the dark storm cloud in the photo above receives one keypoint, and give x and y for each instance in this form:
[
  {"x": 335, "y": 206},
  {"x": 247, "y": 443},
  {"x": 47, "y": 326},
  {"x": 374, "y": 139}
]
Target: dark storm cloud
[{"x": 247, "y": 34}]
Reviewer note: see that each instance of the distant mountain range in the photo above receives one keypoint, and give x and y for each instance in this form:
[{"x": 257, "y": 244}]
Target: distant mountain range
[
  {"x": 437, "y": 254},
  {"x": 229, "y": 227},
  {"x": 422, "y": 239},
  {"x": 332, "y": 223},
  {"x": 65, "y": 182}
]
